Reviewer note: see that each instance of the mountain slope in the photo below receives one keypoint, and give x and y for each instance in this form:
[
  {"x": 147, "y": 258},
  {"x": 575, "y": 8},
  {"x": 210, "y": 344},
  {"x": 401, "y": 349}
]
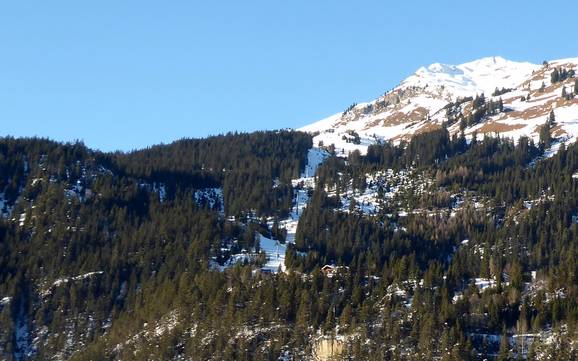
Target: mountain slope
[
  {"x": 266, "y": 247},
  {"x": 444, "y": 94}
]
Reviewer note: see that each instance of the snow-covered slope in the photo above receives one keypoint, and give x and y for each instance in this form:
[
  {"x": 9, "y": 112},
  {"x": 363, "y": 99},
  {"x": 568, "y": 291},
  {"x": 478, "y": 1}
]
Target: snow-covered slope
[{"x": 420, "y": 103}]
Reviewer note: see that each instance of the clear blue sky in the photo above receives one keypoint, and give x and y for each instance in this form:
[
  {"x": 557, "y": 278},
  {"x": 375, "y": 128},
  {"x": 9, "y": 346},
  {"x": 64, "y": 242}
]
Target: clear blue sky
[{"x": 126, "y": 74}]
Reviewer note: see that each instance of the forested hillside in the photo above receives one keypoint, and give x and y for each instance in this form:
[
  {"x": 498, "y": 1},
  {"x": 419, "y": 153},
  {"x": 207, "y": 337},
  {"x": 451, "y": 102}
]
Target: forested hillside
[{"x": 439, "y": 247}]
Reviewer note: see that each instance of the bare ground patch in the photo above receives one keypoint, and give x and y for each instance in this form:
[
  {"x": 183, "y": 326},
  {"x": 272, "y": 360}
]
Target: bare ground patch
[
  {"x": 398, "y": 118},
  {"x": 558, "y": 131},
  {"x": 428, "y": 127},
  {"x": 495, "y": 127}
]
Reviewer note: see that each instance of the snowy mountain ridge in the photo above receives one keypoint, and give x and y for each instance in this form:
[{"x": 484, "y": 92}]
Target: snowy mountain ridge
[
  {"x": 443, "y": 94},
  {"x": 476, "y": 77}
]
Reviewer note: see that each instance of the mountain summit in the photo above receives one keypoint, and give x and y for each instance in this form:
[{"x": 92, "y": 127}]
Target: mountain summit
[
  {"x": 479, "y": 76},
  {"x": 491, "y": 95}
]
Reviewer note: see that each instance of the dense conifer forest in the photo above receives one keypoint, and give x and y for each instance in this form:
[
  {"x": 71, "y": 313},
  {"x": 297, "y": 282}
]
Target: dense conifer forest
[{"x": 109, "y": 256}]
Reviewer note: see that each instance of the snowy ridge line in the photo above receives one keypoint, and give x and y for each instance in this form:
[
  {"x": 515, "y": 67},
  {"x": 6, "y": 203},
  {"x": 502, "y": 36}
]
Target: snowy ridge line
[{"x": 475, "y": 77}]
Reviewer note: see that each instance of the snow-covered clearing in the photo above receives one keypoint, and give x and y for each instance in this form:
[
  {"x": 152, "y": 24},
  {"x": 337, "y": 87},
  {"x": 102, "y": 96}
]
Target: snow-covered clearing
[
  {"x": 275, "y": 252},
  {"x": 382, "y": 188}
]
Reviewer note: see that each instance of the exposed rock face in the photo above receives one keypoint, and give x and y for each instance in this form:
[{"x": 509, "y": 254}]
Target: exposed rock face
[{"x": 327, "y": 349}]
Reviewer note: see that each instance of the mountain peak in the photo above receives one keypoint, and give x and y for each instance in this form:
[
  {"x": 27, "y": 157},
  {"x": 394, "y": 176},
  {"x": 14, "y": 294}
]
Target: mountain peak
[
  {"x": 482, "y": 63},
  {"x": 439, "y": 68},
  {"x": 431, "y": 97},
  {"x": 478, "y": 76}
]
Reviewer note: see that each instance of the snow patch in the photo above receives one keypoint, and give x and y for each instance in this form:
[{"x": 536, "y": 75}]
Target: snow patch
[
  {"x": 62, "y": 281},
  {"x": 5, "y": 208},
  {"x": 275, "y": 253},
  {"x": 485, "y": 283},
  {"x": 211, "y": 198}
]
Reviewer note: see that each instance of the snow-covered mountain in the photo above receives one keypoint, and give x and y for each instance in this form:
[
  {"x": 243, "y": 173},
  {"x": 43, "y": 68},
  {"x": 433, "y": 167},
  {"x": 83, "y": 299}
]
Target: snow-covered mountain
[
  {"x": 443, "y": 94},
  {"x": 479, "y": 76}
]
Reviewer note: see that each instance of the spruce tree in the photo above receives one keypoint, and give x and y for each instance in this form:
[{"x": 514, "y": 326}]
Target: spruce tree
[
  {"x": 531, "y": 355},
  {"x": 545, "y": 136},
  {"x": 555, "y": 76},
  {"x": 504, "y": 353}
]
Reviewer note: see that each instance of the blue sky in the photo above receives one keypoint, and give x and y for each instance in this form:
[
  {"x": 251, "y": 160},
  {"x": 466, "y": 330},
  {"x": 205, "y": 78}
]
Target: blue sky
[{"x": 128, "y": 74}]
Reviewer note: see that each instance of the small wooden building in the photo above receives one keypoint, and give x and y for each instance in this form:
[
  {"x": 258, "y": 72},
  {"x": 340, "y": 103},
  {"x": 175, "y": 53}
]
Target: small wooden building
[{"x": 328, "y": 270}]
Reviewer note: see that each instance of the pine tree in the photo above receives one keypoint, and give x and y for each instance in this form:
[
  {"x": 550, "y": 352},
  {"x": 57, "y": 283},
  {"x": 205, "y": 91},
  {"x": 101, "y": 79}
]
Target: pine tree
[
  {"x": 345, "y": 319},
  {"x": 531, "y": 355},
  {"x": 504, "y": 354},
  {"x": 555, "y": 76},
  {"x": 545, "y": 136},
  {"x": 516, "y": 276},
  {"x": 304, "y": 311}
]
